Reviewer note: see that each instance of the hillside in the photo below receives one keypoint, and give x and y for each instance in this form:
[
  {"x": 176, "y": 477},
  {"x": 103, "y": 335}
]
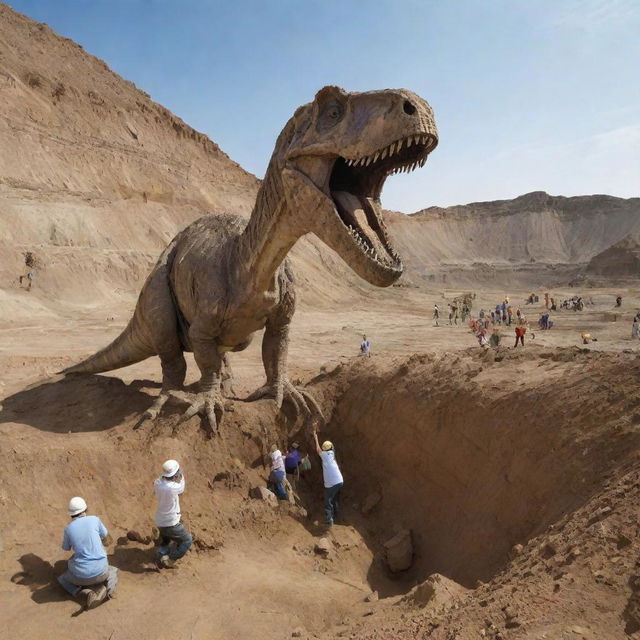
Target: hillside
[
  {"x": 95, "y": 178},
  {"x": 529, "y": 240}
]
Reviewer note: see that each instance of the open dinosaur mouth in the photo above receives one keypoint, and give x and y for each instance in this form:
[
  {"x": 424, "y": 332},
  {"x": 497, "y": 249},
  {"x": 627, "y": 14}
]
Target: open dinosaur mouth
[{"x": 356, "y": 183}]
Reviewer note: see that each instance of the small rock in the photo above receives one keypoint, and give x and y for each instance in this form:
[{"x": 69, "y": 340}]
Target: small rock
[
  {"x": 134, "y": 536},
  {"x": 399, "y": 551},
  {"x": 262, "y": 493},
  {"x": 371, "y": 502},
  {"x": 323, "y": 547},
  {"x": 372, "y": 597},
  {"x": 297, "y": 632}
]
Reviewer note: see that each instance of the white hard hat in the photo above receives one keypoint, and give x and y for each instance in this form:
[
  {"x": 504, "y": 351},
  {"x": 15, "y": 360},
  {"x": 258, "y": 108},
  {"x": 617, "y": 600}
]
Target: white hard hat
[
  {"x": 77, "y": 505},
  {"x": 170, "y": 468}
]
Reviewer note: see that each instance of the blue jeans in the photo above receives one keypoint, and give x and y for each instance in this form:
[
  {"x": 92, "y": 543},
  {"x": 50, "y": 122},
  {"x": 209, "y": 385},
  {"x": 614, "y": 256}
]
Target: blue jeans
[
  {"x": 72, "y": 583},
  {"x": 178, "y": 534},
  {"x": 332, "y": 502},
  {"x": 276, "y": 479}
]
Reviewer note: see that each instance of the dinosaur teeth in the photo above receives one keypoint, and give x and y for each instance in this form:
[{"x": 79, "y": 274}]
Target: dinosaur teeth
[{"x": 375, "y": 158}]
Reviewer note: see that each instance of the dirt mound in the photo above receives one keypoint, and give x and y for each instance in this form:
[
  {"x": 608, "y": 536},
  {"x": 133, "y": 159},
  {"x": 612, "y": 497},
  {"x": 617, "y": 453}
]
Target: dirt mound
[
  {"x": 530, "y": 240},
  {"x": 619, "y": 262}
]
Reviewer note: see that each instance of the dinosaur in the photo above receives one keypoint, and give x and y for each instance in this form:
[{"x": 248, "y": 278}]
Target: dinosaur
[{"x": 222, "y": 278}]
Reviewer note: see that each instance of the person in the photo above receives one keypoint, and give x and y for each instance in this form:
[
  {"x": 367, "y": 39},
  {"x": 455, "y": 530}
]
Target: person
[
  {"x": 586, "y": 337},
  {"x": 365, "y": 347},
  {"x": 175, "y": 540},
  {"x": 436, "y": 314},
  {"x": 293, "y": 459},
  {"x": 495, "y": 338},
  {"x": 482, "y": 339},
  {"x": 520, "y": 331},
  {"x": 277, "y": 475},
  {"x": 635, "y": 328},
  {"x": 618, "y": 301},
  {"x": 332, "y": 478},
  {"x": 88, "y": 566}
]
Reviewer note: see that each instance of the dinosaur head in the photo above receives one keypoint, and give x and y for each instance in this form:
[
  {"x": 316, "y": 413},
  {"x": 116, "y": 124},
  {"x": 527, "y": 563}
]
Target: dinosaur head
[{"x": 335, "y": 156}]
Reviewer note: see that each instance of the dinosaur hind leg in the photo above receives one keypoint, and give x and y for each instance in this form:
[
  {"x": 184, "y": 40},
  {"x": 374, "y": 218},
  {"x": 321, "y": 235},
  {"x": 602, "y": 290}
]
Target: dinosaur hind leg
[{"x": 174, "y": 369}]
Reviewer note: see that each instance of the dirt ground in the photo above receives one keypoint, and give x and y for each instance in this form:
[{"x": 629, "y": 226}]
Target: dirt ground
[{"x": 430, "y": 422}]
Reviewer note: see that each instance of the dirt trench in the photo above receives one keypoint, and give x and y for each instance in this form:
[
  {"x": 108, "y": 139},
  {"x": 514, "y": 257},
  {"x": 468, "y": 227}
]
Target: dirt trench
[{"x": 478, "y": 452}]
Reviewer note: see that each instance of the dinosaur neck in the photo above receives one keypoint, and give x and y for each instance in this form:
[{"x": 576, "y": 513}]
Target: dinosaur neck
[{"x": 269, "y": 235}]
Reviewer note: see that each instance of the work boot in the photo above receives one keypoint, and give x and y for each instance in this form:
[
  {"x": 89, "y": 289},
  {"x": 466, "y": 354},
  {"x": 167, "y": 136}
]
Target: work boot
[{"x": 94, "y": 598}]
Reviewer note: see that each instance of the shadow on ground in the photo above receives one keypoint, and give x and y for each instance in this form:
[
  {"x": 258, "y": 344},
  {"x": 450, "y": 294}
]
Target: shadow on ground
[
  {"x": 40, "y": 577},
  {"x": 78, "y": 403}
]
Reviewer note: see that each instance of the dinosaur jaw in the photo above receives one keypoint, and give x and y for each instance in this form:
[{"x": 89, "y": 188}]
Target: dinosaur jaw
[{"x": 355, "y": 185}]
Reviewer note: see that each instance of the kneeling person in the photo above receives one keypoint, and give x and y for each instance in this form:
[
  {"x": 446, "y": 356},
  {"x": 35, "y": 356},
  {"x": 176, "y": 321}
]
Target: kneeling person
[
  {"x": 88, "y": 566},
  {"x": 168, "y": 487}
]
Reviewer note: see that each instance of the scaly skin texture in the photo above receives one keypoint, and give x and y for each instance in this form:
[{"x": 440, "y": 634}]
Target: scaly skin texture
[{"x": 221, "y": 280}]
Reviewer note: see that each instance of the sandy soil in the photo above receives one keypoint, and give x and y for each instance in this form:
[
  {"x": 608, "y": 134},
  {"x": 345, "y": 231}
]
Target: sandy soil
[{"x": 253, "y": 572}]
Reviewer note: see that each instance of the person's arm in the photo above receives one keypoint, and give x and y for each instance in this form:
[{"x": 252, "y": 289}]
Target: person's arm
[
  {"x": 104, "y": 534},
  {"x": 66, "y": 545},
  {"x": 178, "y": 487},
  {"x": 315, "y": 438}
]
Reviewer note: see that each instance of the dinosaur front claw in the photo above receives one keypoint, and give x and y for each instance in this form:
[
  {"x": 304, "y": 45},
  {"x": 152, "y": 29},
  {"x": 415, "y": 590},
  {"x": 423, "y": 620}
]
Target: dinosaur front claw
[{"x": 304, "y": 404}]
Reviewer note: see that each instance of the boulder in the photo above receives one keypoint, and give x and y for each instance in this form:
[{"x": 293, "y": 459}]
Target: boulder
[
  {"x": 323, "y": 547},
  {"x": 399, "y": 551},
  {"x": 262, "y": 493}
]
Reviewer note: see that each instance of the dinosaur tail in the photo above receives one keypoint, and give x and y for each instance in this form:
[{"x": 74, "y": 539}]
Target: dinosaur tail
[{"x": 128, "y": 348}]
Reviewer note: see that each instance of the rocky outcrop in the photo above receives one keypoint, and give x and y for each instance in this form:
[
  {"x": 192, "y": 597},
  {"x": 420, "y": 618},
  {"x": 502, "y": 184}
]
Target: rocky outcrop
[{"x": 620, "y": 261}]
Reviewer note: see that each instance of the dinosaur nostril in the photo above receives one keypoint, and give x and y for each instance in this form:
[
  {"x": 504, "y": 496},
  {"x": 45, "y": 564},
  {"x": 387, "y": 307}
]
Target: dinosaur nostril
[{"x": 409, "y": 109}]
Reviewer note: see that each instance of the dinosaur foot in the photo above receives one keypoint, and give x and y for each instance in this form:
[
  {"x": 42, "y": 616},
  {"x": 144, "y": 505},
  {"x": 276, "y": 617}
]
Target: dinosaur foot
[
  {"x": 210, "y": 406},
  {"x": 207, "y": 404},
  {"x": 304, "y": 404}
]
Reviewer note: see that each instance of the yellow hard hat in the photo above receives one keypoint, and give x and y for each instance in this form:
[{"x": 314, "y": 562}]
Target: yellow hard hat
[{"x": 326, "y": 445}]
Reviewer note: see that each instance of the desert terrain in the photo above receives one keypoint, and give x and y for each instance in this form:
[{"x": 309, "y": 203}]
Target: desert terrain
[{"x": 514, "y": 474}]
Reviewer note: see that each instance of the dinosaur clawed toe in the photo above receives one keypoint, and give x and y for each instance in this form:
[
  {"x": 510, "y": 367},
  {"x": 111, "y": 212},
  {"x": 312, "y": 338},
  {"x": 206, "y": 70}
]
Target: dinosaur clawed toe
[
  {"x": 304, "y": 404},
  {"x": 209, "y": 405}
]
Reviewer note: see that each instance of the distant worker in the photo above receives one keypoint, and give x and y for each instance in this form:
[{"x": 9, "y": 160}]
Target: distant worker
[
  {"x": 365, "y": 347},
  {"x": 88, "y": 566},
  {"x": 520, "y": 331},
  {"x": 278, "y": 474},
  {"x": 618, "y": 301},
  {"x": 436, "y": 314},
  {"x": 175, "y": 540},
  {"x": 635, "y": 328},
  {"x": 332, "y": 478},
  {"x": 586, "y": 338}
]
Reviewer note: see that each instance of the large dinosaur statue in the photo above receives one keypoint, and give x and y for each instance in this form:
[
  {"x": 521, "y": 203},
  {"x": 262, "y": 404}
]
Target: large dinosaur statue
[{"x": 222, "y": 279}]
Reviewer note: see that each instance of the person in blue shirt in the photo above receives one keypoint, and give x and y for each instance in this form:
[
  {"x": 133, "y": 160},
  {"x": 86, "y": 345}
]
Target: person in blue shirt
[{"x": 88, "y": 566}]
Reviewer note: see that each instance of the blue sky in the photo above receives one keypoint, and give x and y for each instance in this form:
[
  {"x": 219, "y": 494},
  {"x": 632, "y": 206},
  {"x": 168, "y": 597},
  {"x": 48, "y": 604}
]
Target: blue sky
[{"x": 528, "y": 94}]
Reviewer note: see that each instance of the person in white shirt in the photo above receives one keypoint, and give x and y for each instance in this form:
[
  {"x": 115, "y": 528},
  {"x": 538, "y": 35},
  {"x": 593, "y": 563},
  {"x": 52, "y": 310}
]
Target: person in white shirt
[
  {"x": 168, "y": 487},
  {"x": 277, "y": 476},
  {"x": 365, "y": 347},
  {"x": 332, "y": 477}
]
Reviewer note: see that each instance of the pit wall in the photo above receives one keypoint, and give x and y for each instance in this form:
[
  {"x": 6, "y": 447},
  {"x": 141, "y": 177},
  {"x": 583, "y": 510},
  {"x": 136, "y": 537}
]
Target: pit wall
[{"x": 477, "y": 452}]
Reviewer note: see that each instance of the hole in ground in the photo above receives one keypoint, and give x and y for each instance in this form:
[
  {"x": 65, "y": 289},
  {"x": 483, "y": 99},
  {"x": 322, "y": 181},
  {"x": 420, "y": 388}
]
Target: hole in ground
[{"x": 471, "y": 459}]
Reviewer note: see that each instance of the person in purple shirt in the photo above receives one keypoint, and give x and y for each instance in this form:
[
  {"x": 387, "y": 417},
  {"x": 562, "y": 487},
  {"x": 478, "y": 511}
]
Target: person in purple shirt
[
  {"x": 293, "y": 459},
  {"x": 88, "y": 566}
]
